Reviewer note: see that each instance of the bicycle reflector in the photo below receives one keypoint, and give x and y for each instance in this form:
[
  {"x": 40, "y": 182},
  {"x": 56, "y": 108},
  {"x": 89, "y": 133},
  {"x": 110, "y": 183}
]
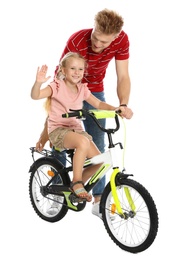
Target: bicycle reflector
[
  {"x": 50, "y": 173},
  {"x": 113, "y": 208}
]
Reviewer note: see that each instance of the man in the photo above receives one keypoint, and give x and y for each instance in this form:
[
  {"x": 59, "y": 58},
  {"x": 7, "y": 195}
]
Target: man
[{"x": 99, "y": 45}]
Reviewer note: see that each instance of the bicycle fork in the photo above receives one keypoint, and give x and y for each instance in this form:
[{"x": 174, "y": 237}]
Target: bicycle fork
[{"x": 116, "y": 172}]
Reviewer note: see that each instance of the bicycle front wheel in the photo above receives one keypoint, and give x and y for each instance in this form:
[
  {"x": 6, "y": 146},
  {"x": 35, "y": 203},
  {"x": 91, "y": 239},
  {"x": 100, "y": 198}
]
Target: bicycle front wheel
[{"x": 136, "y": 230}]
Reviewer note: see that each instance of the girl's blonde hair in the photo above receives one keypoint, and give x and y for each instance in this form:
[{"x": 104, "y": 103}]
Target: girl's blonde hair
[
  {"x": 47, "y": 104},
  {"x": 59, "y": 74}
]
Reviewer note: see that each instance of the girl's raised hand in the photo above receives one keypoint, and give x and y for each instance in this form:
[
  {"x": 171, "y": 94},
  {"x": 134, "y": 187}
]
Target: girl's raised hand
[{"x": 41, "y": 74}]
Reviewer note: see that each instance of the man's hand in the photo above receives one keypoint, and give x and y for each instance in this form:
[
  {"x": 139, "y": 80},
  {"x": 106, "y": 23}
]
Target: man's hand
[{"x": 125, "y": 112}]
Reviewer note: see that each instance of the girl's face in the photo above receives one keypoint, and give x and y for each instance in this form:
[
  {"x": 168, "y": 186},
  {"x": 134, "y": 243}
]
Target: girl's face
[{"x": 74, "y": 70}]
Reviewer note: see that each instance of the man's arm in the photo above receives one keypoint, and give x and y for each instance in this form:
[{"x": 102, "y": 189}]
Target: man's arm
[
  {"x": 123, "y": 87},
  {"x": 43, "y": 138}
]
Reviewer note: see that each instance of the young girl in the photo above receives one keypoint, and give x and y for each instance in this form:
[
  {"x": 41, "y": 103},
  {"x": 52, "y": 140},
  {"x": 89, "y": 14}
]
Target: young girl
[{"x": 67, "y": 92}]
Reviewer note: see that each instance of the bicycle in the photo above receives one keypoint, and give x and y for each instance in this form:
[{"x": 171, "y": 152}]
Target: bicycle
[{"x": 128, "y": 210}]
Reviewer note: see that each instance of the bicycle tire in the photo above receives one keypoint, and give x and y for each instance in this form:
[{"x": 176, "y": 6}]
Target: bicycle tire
[
  {"x": 51, "y": 208},
  {"x": 136, "y": 233}
]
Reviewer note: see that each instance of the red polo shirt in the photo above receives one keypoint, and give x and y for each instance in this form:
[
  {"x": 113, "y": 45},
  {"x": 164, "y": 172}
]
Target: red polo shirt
[{"x": 97, "y": 62}]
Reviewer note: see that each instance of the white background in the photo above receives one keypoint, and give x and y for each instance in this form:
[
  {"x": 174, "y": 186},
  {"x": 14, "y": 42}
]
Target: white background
[{"x": 34, "y": 33}]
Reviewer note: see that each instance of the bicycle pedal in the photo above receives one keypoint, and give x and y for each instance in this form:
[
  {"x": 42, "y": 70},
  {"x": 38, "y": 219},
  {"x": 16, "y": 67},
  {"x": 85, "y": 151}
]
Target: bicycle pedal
[{"x": 73, "y": 198}]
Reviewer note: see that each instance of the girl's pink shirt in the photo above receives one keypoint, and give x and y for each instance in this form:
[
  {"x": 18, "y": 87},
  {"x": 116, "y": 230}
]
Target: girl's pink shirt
[{"x": 62, "y": 100}]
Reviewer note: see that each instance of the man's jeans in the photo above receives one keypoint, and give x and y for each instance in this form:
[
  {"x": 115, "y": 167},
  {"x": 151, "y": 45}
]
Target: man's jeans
[{"x": 98, "y": 138}]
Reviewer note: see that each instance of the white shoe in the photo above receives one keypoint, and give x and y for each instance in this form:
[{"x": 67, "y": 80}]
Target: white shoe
[{"x": 96, "y": 209}]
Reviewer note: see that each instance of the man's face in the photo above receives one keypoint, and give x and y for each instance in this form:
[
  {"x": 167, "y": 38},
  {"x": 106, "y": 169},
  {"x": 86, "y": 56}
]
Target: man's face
[{"x": 101, "y": 41}]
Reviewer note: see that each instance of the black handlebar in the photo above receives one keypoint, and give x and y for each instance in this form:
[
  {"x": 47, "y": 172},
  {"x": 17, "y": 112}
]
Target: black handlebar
[{"x": 95, "y": 115}]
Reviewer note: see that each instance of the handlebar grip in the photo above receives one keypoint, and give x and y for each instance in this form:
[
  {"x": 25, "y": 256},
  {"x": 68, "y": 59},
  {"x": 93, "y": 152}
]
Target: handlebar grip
[
  {"x": 118, "y": 111},
  {"x": 73, "y": 114}
]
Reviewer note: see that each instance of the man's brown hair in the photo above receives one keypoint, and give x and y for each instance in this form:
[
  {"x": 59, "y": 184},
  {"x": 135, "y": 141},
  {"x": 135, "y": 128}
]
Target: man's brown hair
[{"x": 108, "y": 22}]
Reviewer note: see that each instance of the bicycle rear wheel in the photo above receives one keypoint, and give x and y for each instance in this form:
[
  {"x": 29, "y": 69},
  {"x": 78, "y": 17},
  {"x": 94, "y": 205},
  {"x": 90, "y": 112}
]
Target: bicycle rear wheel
[
  {"x": 49, "y": 207},
  {"x": 137, "y": 231}
]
